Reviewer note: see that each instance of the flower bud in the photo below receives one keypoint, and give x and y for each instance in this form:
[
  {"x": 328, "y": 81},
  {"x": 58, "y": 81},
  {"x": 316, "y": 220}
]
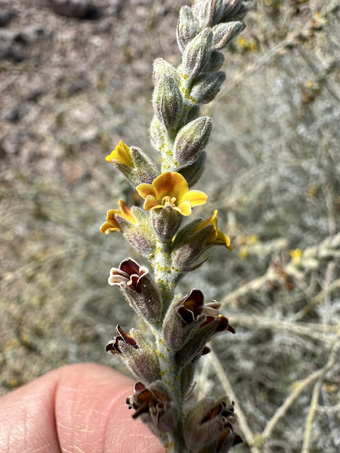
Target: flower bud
[
  {"x": 194, "y": 170},
  {"x": 145, "y": 170},
  {"x": 187, "y": 27},
  {"x": 167, "y": 102},
  {"x": 161, "y": 68},
  {"x": 197, "y": 53},
  {"x": 209, "y": 425},
  {"x": 207, "y": 86},
  {"x": 156, "y": 407},
  {"x": 235, "y": 10},
  {"x": 193, "y": 112},
  {"x": 165, "y": 223},
  {"x": 215, "y": 62},
  {"x": 191, "y": 140},
  {"x": 136, "y": 353},
  {"x": 224, "y": 33},
  {"x": 208, "y": 12},
  {"x": 138, "y": 288}
]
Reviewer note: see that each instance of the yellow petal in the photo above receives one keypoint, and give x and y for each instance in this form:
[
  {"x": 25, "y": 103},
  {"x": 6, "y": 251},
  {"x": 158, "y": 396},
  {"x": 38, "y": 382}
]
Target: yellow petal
[
  {"x": 179, "y": 187},
  {"x": 121, "y": 154},
  {"x": 195, "y": 197},
  {"x": 222, "y": 239},
  {"x": 108, "y": 227},
  {"x": 110, "y": 216},
  {"x": 151, "y": 203},
  {"x": 163, "y": 185},
  {"x": 211, "y": 221},
  {"x": 185, "y": 208},
  {"x": 145, "y": 190},
  {"x": 126, "y": 212}
]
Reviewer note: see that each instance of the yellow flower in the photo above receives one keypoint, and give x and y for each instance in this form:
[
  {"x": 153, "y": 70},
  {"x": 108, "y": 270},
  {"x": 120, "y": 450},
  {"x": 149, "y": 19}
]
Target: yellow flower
[
  {"x": 252, "y": 239},
  {"x": 296, "y": 256},
  {"x": 111, "y": 223},
  {"x": 170, "y": 189},
  {"x": 216, "y": 236},
  {"x": 121, "y": 154}
]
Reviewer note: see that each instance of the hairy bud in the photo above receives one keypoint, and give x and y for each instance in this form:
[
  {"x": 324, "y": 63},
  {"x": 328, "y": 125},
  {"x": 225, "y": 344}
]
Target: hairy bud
[
  {"x": 224, "y": 33},
  {"x": 193, "y": 171},
  {"x": 191, "y": 140},
  {"x": 235, "y": 10},
  {"x": 197, "y": 53},
  {"x": 162, "y": 68},
  {"x": 215, "y": 62},
  {"x": 208, "y": 12},
  {"x": 167, "y": 102},
  {"x": 187, "y": 27},
  {"x": 207, "y": 86}
]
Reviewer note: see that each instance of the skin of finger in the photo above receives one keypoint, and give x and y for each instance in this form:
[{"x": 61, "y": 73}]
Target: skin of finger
[{"x": 78, "y": 408}]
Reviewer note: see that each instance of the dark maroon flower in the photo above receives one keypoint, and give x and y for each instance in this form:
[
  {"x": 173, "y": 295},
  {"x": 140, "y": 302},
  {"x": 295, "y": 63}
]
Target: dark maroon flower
[
  {"x": 122, "y": 337},
  {"x": 136, "y": 353},
  {"x": 138, "y": 289},
  {"x": 191, "y": 323},
  {"x": 209, "y": 424},
  {"x": 156, "y": 406}
]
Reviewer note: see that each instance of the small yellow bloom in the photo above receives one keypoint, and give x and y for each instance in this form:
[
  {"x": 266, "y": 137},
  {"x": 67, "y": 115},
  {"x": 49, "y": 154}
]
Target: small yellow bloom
[
  {"x": 216, "y": 236},
  {"x": 111, "y": 223},
  {"x": 170, "y": 189},
  {"x": 296, "y": 256},
  {"x": 252, "y": 239},
  {"x": 121, "y": 154}
]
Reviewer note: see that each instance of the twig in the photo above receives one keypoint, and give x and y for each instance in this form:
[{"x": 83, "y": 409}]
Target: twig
[
  {"x": 310, "y": 418},
  {"x": 291, "y": 40},
  {"x": 249, "y": 436},
  {"x": 298, "y": 389},
  {"x": 317, "y": 299},
  {"x": 315, "y": 331}
]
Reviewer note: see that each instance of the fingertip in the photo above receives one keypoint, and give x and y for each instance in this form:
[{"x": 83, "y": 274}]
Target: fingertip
[
  {"x": 96, "y": 412},
  {"x": 75, "y": 408}
]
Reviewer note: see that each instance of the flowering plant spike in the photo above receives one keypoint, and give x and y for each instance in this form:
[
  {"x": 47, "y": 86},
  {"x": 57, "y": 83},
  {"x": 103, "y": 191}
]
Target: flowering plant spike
[{"x": 180, "y": 325}]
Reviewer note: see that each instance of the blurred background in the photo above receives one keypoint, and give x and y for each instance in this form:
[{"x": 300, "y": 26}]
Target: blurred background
[{"x": 75, "y": 78}]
